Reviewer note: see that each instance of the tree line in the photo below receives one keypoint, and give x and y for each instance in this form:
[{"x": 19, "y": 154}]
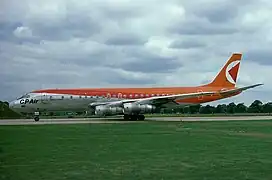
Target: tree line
[
  {"x": 6, "y": 112},
  {"x": 255, "y": 107}
]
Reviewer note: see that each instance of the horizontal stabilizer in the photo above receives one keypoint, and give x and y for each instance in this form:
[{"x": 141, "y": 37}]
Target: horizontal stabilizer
[{"x": 237, "y": 90}]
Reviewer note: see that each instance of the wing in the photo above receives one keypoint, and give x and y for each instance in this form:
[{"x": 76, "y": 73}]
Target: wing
[{"x": 157, "y": 100}]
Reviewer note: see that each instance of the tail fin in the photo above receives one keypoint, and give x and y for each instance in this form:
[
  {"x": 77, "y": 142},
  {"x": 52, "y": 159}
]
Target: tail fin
[{"x": 227, "y": 77}]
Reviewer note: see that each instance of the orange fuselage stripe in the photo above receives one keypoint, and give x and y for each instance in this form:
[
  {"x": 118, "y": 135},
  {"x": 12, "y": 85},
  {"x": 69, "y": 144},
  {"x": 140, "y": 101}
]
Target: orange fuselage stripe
[{"x": 129, "y": 93}]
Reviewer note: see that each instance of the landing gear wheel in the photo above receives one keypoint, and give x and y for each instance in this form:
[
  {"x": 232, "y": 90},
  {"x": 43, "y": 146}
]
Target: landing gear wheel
[
  {"x": 36, "y": 118},
  {"x": 126, "y": 117},
  {"x": 133, "y": 117},
  {"x": 141, "y": 117}
]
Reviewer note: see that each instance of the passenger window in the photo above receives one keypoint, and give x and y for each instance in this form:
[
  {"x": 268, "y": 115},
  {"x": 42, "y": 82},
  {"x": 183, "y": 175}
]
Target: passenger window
[{"x": 71, "y": 97}]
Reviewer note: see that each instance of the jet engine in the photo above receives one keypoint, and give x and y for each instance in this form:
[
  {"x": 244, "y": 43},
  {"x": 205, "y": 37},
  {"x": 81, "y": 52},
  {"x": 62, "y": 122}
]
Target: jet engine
[
  {"x": 132, "y": 108},
  {"x": 106, "y": 110}
]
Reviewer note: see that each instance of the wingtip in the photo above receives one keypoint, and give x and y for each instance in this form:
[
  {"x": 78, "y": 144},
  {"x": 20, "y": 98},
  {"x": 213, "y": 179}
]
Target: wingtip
[
  {"x": 256, "y": 85},
  {"x": 260, "y": 84}
]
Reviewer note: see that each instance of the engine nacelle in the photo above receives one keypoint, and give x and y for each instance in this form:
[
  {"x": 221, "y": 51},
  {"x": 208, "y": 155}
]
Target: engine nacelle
[
  {"x": 105, "y": 110},
  {"x": 132, "y": 108}
]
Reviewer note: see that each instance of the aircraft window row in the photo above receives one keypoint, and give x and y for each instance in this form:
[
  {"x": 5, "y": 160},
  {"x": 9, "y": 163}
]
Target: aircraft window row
[
  {"x": 80, "y": 97},
  {"x": 137, "y": 95},
  {"x": 142, "y": 95},
  {"x": 114, "y": 96}
]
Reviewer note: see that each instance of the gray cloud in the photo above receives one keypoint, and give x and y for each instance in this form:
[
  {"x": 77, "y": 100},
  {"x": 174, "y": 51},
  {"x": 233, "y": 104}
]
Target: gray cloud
[
  {"x": 262, "y": 56},
  {"x": 141, "y": 60},
  {"x": 48, "y": 44},
  {"x": 218, "y": 12},
  {"x": 16, "y": 33},
  {"x": 202, "y": 27},
  {"x": 187, "y": 44},
  {"x": 74, "y": 25},
  {"x": 6, "y": 30},
  {"x": 163, "y": 65},
  {"x": 125, "y": 39}
]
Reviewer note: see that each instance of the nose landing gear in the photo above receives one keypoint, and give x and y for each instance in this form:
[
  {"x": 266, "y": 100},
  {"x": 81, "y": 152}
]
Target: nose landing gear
[{"x": 36, "y": 116}]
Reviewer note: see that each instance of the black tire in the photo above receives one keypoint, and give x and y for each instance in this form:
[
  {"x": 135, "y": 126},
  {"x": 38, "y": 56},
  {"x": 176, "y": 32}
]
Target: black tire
[
  {"x": 126, "y": 117},
  {"x": 133, "y": 117},
  {"x": 36, "y": 118},
  {"x": 141, "y": 117}
]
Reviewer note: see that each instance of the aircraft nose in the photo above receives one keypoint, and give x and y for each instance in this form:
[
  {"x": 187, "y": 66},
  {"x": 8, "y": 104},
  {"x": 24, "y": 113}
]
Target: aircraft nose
[
  {"x": 14, "y": 104},
  {"x": 11, "y": 104}
]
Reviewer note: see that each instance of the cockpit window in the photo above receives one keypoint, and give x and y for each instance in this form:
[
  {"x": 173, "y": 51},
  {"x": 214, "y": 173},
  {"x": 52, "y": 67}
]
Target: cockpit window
[{"x": 24, "y": 96}]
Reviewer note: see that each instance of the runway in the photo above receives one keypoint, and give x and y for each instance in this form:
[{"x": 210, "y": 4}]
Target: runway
[{"x": 119, "y": 120}]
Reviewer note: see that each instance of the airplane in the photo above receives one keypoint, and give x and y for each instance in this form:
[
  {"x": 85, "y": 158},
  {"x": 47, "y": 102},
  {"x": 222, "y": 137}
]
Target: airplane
[{"x": 132, "y": 103}]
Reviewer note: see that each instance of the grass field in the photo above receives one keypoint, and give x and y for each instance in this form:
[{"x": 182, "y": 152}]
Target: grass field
[{"x": 145, "y": 150}]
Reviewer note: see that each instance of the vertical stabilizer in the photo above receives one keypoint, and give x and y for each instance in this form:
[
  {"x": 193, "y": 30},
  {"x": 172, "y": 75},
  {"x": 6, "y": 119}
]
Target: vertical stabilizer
[{"x": 228, "y": 75}]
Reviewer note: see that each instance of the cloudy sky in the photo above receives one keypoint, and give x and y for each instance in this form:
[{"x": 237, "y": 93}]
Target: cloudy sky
[{"x": 131, "y": 43}]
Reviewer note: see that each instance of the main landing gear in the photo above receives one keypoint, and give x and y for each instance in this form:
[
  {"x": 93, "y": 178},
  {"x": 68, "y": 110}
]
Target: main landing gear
[{"x": 140, "y": 117}]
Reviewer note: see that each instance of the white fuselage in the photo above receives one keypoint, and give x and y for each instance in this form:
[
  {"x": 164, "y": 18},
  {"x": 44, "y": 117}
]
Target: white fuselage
[{"x": 43, "y": 102}]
